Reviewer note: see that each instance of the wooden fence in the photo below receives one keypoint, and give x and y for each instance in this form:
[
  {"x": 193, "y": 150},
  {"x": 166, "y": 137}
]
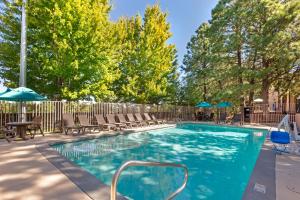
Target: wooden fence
[
  {"x": 266, "y": 114},
  {"x": 269, "y": 118},
  {"x": 51, "y": 111},
  {"x": 276, "y": 108}
]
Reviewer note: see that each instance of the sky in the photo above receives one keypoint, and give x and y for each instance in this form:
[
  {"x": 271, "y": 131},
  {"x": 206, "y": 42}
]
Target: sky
[{"x": 185, "y": 16}]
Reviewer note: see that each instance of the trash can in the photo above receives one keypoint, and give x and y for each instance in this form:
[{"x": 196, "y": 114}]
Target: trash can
[{"x": 247, "y": 111}]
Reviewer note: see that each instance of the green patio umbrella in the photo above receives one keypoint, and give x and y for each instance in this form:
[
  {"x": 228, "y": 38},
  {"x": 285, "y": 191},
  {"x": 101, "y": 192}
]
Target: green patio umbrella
[
  {"x": 7, "y": 90},
  {"x": 22, "y": 94},
  {"x": 224, "y": 104},
  {"x": 203, "y": 105}
]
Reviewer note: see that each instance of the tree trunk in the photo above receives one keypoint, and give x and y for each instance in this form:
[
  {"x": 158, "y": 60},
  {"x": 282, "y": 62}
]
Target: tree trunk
[
  {"x": 265, "y": 83},
  {"x": 59, "y": 84},
  {"x": 239, "y": 60},
  {"x": 220, "y": 84},
  {"x": 204, "y": 91},
  {"x": 265, "y": 91},
  {"x": 240, "y": 76},
  {"x": 252, "y": 80},
  {"x": 251, "y": 96}
]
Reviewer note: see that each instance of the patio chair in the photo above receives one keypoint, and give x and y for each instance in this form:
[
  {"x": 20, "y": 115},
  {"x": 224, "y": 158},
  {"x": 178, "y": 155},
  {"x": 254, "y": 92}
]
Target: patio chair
[
  {"x": 206, "y": 117},
  {"x": 158, "y": 121},
  {"x": 85, "y": 124},
  {"x": 200, "y": 116},
  {"x": 36, "y": 125},
  {"x": 222, "y": 118},
  {"x": 212, "y": 116},
  {"x": 111, "y": 120},
  {"x": 122, "y": 119},
  {"x": 131, "y": 118},
  {"x": 8, "y": 133},
  {"x": 148, "y": 119},
  {"x": 103, "y": 124},
  {"x": 69, "y": 124},
  {"x": 139, "y": 118},
  {"x": 236, "y": 118},
  {"x": 280, "y": 139}
]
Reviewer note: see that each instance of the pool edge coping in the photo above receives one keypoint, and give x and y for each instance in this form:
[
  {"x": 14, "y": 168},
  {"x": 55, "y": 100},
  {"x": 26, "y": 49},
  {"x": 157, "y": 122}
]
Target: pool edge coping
[
  {"x": 262, "y": 182},
  {"x": 85, "y": 181}
]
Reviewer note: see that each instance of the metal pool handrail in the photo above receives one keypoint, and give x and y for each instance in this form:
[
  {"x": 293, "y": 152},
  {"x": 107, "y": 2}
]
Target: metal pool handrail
[{"x": 113, "y": 192}]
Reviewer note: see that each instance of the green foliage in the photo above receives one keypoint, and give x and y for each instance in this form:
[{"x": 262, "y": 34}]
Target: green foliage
[
  {"x": 72, "y": 47},
  {"x": 74, "y": 50},
  {"x": 10, "y": 32},
  {"x": 247, "y": 48},
  {"x": 148, "y": 63}
]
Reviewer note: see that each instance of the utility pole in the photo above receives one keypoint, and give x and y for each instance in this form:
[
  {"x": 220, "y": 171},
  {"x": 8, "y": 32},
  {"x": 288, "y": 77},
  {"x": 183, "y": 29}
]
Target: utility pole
[{"x": 22, "y": 82}]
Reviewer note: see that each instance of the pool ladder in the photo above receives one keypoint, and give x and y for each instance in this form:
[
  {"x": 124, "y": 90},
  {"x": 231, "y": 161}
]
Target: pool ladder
[{"x": 131, "y": 163}]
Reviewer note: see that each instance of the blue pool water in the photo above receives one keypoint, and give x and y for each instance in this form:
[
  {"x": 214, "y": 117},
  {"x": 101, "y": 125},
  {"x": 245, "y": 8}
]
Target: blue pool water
[{"x": 219, "y": 159}]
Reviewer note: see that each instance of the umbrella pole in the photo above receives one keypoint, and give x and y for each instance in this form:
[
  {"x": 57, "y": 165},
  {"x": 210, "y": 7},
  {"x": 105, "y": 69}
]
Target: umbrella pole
[{"x": 22, "y": 112}]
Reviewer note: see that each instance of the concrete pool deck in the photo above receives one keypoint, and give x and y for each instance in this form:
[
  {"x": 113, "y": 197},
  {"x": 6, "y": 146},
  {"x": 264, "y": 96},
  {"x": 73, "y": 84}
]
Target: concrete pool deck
[
  {"x": 288, "y": 177},
  {"x": 27, "y": 174}
]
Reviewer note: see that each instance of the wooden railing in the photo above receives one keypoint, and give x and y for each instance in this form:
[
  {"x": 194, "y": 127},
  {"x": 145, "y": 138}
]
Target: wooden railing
[
  {"x": 51, "y": 111},
  {"x": 269, "y": 118},
  {"x": 276, "y": 108}
]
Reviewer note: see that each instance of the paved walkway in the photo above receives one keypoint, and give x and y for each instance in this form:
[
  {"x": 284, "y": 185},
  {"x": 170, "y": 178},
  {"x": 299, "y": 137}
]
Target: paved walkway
[{"x": 288, "y": 177}]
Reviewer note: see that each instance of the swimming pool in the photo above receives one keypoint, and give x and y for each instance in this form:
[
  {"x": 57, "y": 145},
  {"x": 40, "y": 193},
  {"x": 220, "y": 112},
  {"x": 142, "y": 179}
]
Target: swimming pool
[{"x": 220, "y": 160}]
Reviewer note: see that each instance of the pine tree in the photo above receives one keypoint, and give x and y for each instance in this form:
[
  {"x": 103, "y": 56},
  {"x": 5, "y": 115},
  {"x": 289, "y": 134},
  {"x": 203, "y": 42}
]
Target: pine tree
[{"x": 254, "y": 45}]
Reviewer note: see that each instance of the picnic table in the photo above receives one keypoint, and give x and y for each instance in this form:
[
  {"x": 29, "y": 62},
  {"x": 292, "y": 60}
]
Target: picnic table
[{"x": 21, "y": 128}]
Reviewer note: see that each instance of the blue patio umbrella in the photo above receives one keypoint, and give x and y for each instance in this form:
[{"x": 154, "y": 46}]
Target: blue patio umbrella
[
  {"x": 21, "y": 94},
  {"x": 203, "y": 105},
  {"x": 224, "y": 104}
]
